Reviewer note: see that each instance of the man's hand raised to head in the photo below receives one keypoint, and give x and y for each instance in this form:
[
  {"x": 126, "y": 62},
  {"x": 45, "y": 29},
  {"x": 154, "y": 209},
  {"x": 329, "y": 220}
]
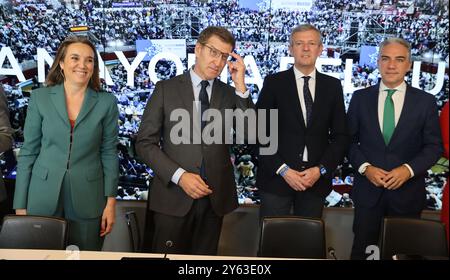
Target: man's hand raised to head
[{"x": 237, "y": 71}]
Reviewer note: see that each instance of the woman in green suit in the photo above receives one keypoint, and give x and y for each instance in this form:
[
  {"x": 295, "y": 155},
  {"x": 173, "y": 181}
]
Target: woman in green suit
[{"x": 68, "y": 165}]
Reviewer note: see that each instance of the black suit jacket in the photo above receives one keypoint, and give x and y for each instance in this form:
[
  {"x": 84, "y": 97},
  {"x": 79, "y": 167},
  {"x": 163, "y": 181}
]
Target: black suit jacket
[
  {"x": 326, "y": 137},
  {"x": 416, "y": 141},
  {"x": 155, "y": 148}
]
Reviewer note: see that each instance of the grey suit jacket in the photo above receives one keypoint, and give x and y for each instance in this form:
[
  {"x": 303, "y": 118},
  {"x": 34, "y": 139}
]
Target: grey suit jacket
[
  {"x": 5, "y": 136},
  {"x": 155, "y": 147}
]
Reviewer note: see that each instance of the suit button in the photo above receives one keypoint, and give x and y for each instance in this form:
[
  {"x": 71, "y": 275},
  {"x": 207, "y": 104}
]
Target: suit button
[{"x": 300, "y": 155}]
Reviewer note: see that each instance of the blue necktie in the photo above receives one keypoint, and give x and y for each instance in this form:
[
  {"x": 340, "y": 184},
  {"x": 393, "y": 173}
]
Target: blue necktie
[
  {"x": 308, "y": 99},
  {"x": 204, "y": 101}
]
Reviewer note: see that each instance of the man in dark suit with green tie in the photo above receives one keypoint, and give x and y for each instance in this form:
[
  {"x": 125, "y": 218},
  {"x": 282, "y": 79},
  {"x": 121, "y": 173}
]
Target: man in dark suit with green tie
[{"x": 395, "y": 139}]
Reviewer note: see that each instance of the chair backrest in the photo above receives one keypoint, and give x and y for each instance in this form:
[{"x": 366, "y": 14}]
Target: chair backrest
[
  {"x": 34, "y": 232},
  {"x": 133, "y": 230},
  {"x": 407, "y": 236},
  {"x": 292, "y": 237}
]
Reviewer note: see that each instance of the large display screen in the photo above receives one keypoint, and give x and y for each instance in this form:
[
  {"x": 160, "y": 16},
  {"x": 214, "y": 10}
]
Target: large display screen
[{"x": 142, "y": 42}]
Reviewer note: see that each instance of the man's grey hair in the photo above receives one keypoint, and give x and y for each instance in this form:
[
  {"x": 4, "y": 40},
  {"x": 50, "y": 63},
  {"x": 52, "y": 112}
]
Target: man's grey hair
[
  {"x": 302, "y": 28},
  {"x": 395, "y": 40}
]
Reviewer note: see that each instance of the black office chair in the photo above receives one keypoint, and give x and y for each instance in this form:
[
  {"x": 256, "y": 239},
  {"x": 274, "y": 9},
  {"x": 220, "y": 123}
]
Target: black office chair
[
  {"x": 292, "y": 237},
  {"x": 133, "y": 230},
  {"x": 33, "y": 232},
  {"x": 413, "y": 237}
]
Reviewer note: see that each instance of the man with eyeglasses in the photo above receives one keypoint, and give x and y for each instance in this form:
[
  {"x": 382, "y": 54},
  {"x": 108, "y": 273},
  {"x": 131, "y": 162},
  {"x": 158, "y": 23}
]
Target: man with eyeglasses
[
  {"x": 312, "y": 132},
  {"x": 194, "y": 186}
]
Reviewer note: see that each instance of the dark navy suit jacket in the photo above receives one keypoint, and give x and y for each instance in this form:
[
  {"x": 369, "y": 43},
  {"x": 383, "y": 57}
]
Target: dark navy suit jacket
[
  {"x": 326, "y": 136},
  {"x": 416, "y": 141}
]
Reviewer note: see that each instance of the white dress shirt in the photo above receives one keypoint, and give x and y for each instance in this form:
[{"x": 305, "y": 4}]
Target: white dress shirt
[
  {"x": 299, "y": 81},
  {"x": 399, "y": 99}
]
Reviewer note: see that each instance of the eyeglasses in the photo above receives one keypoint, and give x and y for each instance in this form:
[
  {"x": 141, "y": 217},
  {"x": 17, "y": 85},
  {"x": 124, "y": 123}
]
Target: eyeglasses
[{"x": 216, "y": 53}]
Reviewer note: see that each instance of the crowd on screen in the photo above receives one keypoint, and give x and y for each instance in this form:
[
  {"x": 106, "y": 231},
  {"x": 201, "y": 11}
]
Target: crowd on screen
[{"x": 262, "y": 34}]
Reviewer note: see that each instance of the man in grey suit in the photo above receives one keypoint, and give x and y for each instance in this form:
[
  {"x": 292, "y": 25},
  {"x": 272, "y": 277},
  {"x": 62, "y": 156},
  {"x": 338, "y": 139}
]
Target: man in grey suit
[
  {"x": 194, "y": 186},
  {"x": 5, "y": 136}
]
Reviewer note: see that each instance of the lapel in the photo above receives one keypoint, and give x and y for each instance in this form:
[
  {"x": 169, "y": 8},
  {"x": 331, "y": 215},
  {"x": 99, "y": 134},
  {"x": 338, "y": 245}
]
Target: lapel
[
  {"x": 216, "y": 95},
  {"x": 90, "y": 99},
  {"x": 186, "y": 94},
  {"x": 372, "y": 108},
  {"x": 290, "y": 86},
  {"x": 59, "y": 102},
  {"x": 319, "y": 96},
  {"x": 404, "y": 115}
]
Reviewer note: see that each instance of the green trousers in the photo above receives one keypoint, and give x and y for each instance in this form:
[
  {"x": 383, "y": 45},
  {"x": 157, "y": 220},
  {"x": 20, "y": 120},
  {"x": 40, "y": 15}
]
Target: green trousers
[{"x": 84, "y": 233}]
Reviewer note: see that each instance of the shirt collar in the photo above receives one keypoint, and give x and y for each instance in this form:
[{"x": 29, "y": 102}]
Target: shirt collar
[
  {"x": 196, "y": 79},
  {"x": 298, "y": 74},
  {"x": 399, "y": 88}
]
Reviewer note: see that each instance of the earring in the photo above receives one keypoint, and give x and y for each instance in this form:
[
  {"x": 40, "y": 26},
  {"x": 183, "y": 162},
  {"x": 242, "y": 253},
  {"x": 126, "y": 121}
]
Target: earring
[{"x": 62, "y": 74}]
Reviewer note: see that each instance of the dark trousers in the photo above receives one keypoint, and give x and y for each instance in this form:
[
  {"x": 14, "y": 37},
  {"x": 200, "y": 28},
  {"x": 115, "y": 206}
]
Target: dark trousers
[
  {"x": 305, "y": 204},
  {"x": 367, "y": 225},
  {"x": 196, "y": 233}
]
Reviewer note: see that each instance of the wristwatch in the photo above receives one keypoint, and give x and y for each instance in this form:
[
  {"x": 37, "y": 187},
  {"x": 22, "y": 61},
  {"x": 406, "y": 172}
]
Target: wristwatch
[{"x": 323, "y": 170}]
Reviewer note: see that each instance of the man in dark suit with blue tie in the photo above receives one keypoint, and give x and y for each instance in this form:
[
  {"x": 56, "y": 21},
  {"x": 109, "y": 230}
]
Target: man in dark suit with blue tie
[
  {"x": 312, "y": 132},
  {"x": 395, "y": 139},
  {"x": 194, "y": 186}
]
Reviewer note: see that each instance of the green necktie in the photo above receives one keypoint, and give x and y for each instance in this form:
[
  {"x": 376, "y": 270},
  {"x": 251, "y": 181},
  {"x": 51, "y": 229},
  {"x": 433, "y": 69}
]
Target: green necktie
[{"x": 388, "y": 116}]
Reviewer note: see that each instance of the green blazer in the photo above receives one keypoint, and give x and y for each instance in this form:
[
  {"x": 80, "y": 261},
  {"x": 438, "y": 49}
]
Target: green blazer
[{"x": 45, "y": 156}]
